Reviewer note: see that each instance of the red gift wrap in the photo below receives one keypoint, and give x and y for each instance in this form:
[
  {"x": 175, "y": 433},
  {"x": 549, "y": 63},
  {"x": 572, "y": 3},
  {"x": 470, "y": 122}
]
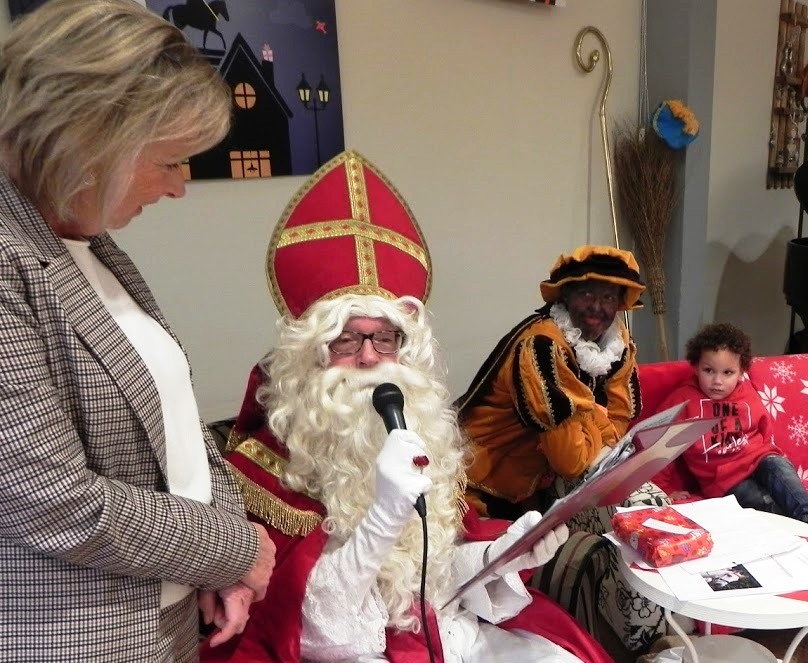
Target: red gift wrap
[{"x": 662, "y": 535}]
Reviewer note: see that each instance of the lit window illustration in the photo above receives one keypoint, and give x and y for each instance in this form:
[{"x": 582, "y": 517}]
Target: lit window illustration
[
  {"x": 244, "y": 95},
  {"x": 249, "y": 163}
]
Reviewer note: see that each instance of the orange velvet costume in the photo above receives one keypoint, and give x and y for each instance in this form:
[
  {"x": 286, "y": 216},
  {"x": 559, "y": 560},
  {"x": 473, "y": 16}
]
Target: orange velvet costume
[{"x": 531, "y": 411}]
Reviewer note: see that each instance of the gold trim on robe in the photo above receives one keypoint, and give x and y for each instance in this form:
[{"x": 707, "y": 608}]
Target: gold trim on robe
[{"x": 274, "y": 511}]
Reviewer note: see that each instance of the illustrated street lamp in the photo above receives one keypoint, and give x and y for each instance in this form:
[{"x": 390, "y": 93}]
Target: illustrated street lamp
[{"x": 314, "y": 104}]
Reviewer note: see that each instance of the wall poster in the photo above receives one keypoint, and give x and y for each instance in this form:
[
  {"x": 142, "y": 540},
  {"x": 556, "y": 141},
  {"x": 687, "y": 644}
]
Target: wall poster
[{"x": 280, "y": 59}]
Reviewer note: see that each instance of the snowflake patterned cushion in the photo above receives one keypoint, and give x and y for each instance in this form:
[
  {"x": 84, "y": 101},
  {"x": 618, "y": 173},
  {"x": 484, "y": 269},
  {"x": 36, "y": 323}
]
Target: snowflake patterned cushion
[{"x": 781, "y": 381}]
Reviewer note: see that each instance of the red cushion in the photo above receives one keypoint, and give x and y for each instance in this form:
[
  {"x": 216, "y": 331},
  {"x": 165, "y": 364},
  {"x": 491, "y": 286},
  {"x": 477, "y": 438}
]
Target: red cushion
[
  {"x": 657, "y": 381},
  {"x": 781, "y": 381}
]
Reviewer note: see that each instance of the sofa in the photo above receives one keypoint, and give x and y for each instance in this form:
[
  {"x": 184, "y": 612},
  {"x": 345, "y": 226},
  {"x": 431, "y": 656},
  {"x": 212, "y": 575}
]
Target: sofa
[{"x": 782, "y": 382}]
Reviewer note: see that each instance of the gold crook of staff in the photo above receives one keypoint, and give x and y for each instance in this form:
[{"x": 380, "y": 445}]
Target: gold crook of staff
[{"x": 589, "y": 67}]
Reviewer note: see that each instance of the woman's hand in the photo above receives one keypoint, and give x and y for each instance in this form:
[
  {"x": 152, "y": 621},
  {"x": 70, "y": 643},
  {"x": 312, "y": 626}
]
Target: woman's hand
[
  {"x": 257, "y": 578},
  {"x": 228, "y": 609},
  {"x": 207, "y": 599}
]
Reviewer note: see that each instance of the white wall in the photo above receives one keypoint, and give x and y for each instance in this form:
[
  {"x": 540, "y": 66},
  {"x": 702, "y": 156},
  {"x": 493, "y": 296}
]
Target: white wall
[
  {"x": 476, "y": 110},
  {"x": 748, "y": 226}
]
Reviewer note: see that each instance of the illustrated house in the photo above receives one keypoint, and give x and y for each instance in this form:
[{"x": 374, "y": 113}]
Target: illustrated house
[{"x": 258, "y": 144}]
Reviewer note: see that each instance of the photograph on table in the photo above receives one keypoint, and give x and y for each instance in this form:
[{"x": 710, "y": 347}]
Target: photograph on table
[{"x": 737, "y": 577}]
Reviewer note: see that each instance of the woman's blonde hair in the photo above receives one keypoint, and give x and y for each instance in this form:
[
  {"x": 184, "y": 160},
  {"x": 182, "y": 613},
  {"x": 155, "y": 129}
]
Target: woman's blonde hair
[{"x": 85, "y": 85}]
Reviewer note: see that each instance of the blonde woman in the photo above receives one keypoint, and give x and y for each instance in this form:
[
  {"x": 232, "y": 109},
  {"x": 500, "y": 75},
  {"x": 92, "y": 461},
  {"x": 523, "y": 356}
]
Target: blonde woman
[{"x": 115, "y": 507}]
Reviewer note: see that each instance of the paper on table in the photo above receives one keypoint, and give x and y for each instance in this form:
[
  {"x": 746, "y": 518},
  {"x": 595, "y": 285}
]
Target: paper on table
[
  {"x": 776, "y": 574},
  {"x": 609, "y": 486},
  {"x": 729, "y": 525}
]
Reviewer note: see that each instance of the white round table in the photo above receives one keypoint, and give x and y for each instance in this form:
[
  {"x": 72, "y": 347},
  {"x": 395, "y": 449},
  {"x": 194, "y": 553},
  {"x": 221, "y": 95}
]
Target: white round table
[{"x": 759, "y": 611}]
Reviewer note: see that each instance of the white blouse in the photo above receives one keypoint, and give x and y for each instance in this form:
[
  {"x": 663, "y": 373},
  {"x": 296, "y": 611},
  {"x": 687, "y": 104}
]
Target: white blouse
[{"x": 186, "y": 456}]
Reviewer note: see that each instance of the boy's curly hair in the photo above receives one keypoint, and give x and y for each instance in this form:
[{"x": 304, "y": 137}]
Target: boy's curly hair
[{"x": 720, "y": 336}]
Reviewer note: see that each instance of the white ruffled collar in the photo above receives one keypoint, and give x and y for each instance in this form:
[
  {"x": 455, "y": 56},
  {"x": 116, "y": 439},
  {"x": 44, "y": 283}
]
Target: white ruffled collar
[{"x": 596, "y": 358}]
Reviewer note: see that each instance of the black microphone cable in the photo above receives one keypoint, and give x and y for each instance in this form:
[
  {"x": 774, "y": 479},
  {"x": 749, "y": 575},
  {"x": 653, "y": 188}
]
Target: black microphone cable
[{"x": 424, "y": 557}]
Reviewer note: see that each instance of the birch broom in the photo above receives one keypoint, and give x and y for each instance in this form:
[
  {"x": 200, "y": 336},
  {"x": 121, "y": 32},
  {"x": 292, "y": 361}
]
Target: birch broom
[
  {"x": 646, "y": 164},
  {"x": 645, "y": 173}
]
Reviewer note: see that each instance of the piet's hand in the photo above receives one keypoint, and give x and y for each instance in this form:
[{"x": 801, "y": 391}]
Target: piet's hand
[
  {"x": 605, "y": 451},
  {"x": 543, "y": 551}
]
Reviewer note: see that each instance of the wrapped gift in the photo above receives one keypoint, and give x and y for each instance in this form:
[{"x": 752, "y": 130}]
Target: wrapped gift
[{"x": 662, "y": 535}]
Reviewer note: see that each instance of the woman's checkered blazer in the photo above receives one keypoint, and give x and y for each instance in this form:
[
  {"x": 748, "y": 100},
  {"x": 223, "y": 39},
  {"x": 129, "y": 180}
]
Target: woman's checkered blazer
[{"x": 87, "y": 529}]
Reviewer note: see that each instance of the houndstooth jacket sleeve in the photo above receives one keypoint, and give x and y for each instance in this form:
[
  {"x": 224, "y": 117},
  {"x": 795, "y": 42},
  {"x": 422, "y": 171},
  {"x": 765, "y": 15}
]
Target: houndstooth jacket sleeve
[{"x": 83, "y": 470}]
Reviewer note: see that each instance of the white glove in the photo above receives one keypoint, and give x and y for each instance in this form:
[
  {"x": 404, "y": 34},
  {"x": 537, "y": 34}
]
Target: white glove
[
  {"x": 398, "y": 481},
  {"x": 543, "y": 551},
  {"x": 398, "y": 484}
]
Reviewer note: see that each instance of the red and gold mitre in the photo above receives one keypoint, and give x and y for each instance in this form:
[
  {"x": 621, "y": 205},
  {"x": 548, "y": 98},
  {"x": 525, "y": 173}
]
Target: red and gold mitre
[{"x": 346, "y": 231}]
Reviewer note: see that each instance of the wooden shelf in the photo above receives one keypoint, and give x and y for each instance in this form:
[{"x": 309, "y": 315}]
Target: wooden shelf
[{"x": 785, "y": 134}]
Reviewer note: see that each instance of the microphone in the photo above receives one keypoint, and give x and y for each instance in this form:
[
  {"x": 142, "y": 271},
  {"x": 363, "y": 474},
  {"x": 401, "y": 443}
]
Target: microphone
[{"x": 389, "y": 403}]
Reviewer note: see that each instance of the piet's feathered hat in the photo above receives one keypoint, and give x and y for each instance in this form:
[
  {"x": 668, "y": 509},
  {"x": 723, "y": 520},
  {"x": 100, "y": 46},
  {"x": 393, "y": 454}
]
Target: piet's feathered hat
[
  {"x": 347, "y": 230},
  {"x": 602, "y": 263}
]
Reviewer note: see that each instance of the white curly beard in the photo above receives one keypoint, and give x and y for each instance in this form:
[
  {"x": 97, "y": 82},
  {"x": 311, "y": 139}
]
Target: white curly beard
[{"x": 334, "y": 435}]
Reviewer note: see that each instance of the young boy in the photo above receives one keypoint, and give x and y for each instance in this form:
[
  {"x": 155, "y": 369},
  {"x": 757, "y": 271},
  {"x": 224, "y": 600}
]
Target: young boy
[{"x": 739, "y": 456}]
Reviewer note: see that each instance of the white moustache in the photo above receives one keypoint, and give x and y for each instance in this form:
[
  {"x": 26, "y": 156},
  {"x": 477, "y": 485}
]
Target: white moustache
[{"x": 366, "y": 378}]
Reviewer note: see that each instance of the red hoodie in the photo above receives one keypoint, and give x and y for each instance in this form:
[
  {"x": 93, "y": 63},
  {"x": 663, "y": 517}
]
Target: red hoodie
[{"x": 731, "y": 451}]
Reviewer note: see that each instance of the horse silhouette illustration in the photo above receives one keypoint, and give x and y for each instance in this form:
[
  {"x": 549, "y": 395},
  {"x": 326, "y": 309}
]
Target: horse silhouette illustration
[{"x": 200, "y": 15}]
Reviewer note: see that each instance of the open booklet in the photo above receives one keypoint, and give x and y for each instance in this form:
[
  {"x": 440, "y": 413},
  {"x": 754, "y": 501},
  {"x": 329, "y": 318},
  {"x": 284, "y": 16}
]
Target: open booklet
[{"x": 640, "y": 454}]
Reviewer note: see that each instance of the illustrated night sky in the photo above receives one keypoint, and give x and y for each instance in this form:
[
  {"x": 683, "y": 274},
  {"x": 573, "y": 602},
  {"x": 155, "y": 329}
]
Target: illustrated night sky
[{"x": 303, "y": 37}]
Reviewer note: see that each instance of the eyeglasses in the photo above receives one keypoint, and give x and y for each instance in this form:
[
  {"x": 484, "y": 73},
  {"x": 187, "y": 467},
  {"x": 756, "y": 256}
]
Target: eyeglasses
[{"x": 351, "y": 342}]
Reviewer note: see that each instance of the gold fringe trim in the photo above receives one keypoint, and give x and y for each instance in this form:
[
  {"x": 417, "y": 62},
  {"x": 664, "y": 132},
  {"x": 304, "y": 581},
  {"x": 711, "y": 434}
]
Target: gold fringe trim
[
  {"x": 289, "y": 520},
  {"x": 272, "y": 510}
]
